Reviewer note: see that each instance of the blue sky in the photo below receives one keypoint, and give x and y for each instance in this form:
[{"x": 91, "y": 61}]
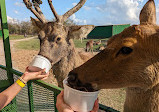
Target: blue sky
[{"x": 97, "y": 12}]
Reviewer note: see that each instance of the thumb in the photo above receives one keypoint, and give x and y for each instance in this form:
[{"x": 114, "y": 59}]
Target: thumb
[{"x": 96, "y": 106}]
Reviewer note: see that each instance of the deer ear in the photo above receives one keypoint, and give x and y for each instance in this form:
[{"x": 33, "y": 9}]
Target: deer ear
[
  {"x": 148, "y": 13},
  {"x": 38, "y": 24},
  {"x": 77, "y": 32}
]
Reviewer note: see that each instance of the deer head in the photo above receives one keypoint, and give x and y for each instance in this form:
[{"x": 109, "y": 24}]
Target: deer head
[
  {"x": 131, "y": 58},
  {"x": 55, "y": 37}
]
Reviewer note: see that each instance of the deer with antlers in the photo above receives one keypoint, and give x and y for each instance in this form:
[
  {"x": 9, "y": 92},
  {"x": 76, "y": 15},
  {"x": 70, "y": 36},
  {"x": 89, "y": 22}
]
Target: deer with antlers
[
  {"x": 56, "y": 42},
  {"x": 131, "y": 61}
]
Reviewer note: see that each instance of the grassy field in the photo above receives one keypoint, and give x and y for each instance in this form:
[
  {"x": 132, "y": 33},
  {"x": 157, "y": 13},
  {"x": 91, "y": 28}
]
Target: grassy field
[
  {"x": 34, "y": 44},
  {"x": 14, "y": 37}
]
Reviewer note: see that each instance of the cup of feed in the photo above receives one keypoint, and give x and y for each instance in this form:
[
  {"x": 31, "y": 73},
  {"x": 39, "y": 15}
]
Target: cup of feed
[
  {"x": 38, "y": 63},
  {"x": 80, "y": 101}
]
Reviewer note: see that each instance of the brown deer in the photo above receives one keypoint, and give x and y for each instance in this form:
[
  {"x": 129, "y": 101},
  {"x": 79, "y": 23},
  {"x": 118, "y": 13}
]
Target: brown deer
[
  {"x": 98, "y": 42},
  {"x": 56, "y": 42},
  {"x": 89, "y": 46},
  {"x": 131, "y": 61}
]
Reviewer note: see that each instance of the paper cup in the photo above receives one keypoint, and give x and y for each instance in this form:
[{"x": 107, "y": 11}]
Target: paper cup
[
  {"x": 78, "y": 100},
  {"x": 38, "y": 63}
]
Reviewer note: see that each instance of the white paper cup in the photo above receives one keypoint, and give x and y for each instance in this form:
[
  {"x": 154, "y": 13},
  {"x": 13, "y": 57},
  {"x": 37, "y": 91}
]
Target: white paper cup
[
  {"x": 78, "y": 100},
  {"x": 38, "y": 63}
]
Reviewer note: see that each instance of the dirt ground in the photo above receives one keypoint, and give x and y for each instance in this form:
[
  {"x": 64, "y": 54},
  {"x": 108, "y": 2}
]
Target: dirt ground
[{"x": 21, "y": 58}]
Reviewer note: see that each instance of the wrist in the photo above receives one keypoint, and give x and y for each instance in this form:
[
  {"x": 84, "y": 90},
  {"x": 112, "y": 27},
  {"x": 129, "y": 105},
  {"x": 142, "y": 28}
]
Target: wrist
[
  {"x": 24, "y": 78},
  {"x": 20, "y": 83}
]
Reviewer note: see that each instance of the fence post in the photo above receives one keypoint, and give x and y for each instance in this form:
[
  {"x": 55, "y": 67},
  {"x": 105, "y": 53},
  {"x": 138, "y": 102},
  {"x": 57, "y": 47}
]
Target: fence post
[
  {"x": 30, "y": 96},
  {"x": 6, "y": 43},
  {"x": 5, "y": 34},
  {"x": 55, "y": 98}
]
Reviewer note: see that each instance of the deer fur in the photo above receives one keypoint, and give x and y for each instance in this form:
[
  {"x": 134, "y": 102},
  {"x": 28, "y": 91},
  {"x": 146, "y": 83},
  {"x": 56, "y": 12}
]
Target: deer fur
[
  {"x": 68, "y": 63},
  {"x": 131, "y": 61}
]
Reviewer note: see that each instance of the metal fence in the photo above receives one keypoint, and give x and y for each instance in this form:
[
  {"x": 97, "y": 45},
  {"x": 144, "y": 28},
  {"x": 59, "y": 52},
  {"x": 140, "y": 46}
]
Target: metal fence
[{"x": 37, "y": 96}]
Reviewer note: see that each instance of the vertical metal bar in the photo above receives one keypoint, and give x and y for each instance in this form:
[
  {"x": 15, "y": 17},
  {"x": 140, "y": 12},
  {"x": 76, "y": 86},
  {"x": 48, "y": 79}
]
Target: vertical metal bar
[
  {"x": 5, "y": 34},
  {"x": 6, "y": 43},
  {"x": 30, "y": 96},
  {"x": 55, "y": 98}
]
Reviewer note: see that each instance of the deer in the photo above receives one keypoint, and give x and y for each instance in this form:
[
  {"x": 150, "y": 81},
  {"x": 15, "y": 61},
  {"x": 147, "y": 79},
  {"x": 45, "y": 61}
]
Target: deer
[
  {"x": 98, "y": 42},
  {"x": 131, "y": 61},
  {"x": 56, "y": 39},
  {"x": 89, "y": 46}
]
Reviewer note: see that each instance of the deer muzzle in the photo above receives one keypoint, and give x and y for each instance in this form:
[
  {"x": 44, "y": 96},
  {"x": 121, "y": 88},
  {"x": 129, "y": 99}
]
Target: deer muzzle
[{"x": 75, "y": 83}]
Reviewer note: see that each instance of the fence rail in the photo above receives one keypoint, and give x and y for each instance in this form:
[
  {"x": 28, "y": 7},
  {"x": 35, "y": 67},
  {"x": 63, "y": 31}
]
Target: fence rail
[{"x": 43, "y": 85}]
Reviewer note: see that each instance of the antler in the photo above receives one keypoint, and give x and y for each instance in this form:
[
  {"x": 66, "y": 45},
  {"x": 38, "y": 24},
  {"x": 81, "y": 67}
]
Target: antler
[
  {"x": 37, "y": 11},
  {"x": 68, "y": 13},
  {"x": 73, "y": 10},
  {"x": 53, "y": 10}
]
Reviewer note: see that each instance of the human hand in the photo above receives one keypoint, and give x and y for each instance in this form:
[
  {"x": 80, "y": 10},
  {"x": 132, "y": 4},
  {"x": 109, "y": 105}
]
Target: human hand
[
  {"x": 63, "y": 107},
  {"x": 34, "y": 75},
  {"x": 96, "y": 106}
]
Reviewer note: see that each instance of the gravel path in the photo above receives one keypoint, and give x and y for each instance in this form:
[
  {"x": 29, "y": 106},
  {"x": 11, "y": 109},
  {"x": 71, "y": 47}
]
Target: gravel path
[
  {"x": 12, "y": 42},
  {"x": 2, "y": 59}
]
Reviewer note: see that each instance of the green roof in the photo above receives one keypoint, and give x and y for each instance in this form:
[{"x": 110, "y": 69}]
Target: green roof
[{"x": 100, "y": 32}]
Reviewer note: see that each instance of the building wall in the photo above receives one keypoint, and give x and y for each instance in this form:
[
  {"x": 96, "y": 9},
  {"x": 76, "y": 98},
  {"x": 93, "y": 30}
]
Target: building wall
[
  {"x": 119, "y": 28},
  {"x": 101, "y": 32}
]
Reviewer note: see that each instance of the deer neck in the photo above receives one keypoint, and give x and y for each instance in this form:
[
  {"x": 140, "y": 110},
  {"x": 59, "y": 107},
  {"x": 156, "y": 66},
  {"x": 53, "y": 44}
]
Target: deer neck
[
  {"x": 73, "y": 59},
  {"x": 139, "y": 100},
  {"x": 66, "y": 64},
  {"x": 144, "y": 100}
]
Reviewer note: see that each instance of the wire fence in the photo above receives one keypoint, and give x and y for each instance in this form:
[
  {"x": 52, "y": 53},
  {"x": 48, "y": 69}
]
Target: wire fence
[{"x": 40, "y": 98}]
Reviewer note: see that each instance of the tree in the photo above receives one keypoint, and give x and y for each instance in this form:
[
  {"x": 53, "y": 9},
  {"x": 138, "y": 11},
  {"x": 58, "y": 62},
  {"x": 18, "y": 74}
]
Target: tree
[
  {"x": 26, "y": 27},
  {"x": 69, "y": 22}
]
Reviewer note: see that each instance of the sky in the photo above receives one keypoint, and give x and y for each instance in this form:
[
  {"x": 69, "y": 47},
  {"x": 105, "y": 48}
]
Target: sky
[{"x": 96, "y": 12}]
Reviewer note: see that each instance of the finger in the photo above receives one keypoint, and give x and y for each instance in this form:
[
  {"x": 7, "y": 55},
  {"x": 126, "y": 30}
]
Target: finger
[
  {"x": 43, "y": 70},
  {"x": 96, "y": 106},
  {"x": 61, "y": 94},
  {"x": 26, "y": 69},
  {"x": 44, "y": 75},
  {"x": 47, "y": 73},
  {"x": 60, "y": 103},
  {"x": 40, "y": 72},
  {"x": 60, "y": 97},
  {"x": 41, "y": 76},
  {"x": 44, "y": 78}
]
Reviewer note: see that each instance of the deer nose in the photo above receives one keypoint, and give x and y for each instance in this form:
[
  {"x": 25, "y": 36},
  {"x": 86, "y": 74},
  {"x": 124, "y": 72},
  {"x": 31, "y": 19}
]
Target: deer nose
[{"x": 72, "y": 78}]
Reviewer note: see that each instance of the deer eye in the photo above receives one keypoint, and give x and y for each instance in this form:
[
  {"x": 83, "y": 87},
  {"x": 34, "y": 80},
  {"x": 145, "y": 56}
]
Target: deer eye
[
  {"x": 126, "y": 50},
  {"x": 59, "y": 38}
]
